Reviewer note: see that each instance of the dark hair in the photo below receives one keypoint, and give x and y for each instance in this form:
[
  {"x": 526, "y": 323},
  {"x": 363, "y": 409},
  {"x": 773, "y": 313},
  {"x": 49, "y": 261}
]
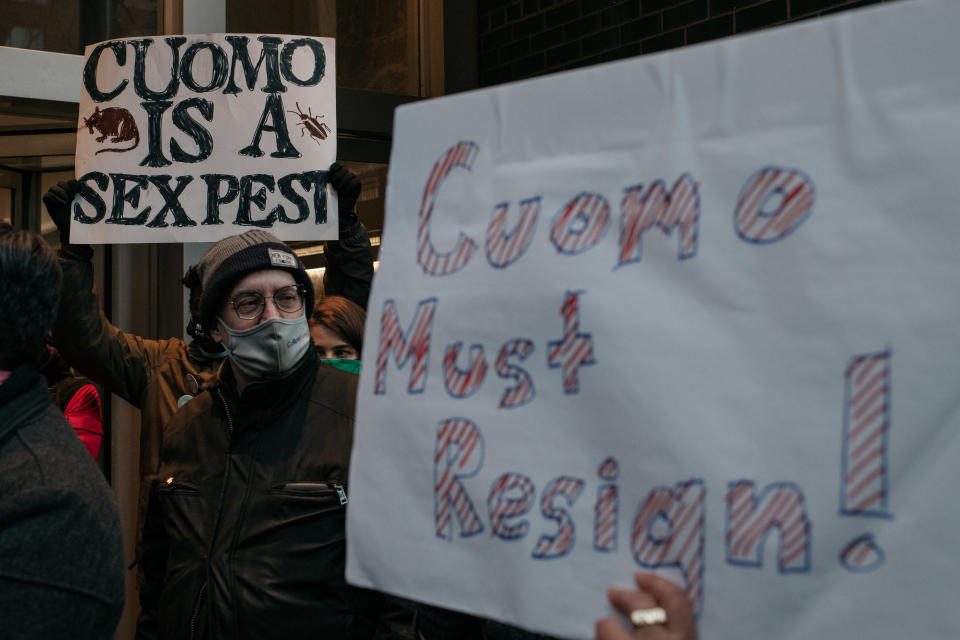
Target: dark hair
[
  {"x": 192, "y": 280},
  {"x": 29, "y": 294},
  {"x": 343, "y": 317}
]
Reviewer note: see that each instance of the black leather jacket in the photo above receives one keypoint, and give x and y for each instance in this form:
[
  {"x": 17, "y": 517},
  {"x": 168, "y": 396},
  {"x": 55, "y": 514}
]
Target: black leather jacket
[{"x": 245, "y": 535}]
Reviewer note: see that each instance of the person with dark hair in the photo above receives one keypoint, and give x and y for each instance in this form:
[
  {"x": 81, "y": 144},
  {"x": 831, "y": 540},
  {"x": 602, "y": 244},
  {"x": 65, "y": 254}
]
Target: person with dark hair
[
  {"x": 336, "y": 329},
  {"x": 157, "y": 376},
  {"x": 61, "y": 568},
  {"x": 244, "y": 535}
]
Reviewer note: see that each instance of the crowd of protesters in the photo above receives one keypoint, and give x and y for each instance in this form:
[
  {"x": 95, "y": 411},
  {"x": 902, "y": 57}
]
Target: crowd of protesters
[{"x": 245, "y": 441}]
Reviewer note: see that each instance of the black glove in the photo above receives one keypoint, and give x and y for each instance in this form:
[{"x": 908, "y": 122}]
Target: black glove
[
  {"x": 57, "y": 201},
  {"x": 347, "y": 185}
]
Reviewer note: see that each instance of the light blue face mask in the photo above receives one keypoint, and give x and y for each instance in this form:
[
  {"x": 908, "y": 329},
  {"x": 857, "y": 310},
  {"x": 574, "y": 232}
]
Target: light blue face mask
[
  {"x": 345, "y": 364},
  {"x": 270, "y": 349}
]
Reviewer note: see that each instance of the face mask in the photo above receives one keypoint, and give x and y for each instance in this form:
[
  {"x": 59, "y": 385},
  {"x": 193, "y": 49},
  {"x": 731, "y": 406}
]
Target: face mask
[
  {"x": 270, "y": 349},
  {"x": 345, "y": 364}
]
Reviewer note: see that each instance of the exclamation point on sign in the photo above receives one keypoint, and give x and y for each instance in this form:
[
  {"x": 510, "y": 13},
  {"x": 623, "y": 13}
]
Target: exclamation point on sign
[{"x": 864, "y": 489}]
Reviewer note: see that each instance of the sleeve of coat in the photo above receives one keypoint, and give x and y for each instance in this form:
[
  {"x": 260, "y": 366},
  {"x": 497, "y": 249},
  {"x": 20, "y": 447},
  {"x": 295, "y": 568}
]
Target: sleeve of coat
[
  {"x": 349, "y": 265},
  {"x": 120, "y": 362}
]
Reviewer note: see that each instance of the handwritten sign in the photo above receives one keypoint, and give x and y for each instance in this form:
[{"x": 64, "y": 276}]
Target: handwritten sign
[
  {"x": 194, "y": 138},
  {"x": 693, "y": 313}
]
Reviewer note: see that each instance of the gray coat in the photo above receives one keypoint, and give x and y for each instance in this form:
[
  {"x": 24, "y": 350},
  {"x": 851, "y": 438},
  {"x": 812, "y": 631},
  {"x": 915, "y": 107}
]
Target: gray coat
[{"x": 61, "y": 559}]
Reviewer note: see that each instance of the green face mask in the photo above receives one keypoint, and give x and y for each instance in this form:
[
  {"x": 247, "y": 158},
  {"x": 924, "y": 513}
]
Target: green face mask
[{"x": 344, "y": 364}]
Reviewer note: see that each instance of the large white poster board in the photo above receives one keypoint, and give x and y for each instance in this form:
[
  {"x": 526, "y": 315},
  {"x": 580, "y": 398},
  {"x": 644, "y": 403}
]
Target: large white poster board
[
  {"x": 693, "y": 313},
  {"x": 194, "y": 138}
]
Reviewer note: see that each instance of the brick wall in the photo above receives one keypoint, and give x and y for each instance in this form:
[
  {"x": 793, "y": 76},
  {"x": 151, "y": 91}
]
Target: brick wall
[{"x": 524, "y": 38}]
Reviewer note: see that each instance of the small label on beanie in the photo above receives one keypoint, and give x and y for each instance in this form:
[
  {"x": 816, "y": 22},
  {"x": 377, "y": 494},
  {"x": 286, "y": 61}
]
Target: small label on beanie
[{"x": 280, "y": 258}]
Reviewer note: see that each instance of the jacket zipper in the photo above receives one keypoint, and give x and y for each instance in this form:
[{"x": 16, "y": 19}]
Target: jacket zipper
[
  {"x": 216, "y": 522},
  {"x": 311, "y": 488},
  {"x": 179, "y": 489},
  {"x": 196, "y": 611},
  {"x": 226, "y": 411}
]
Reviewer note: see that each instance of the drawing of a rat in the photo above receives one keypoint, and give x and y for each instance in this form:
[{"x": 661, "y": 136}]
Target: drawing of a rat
[{"x": 115, "y": 123}]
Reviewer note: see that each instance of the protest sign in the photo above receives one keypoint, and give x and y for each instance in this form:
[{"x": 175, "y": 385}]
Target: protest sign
[
  {"x": 692, "y": 313},
  {"x": 194, "y": 138}
]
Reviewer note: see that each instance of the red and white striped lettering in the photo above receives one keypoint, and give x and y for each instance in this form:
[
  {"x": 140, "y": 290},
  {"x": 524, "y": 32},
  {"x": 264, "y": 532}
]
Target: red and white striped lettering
[
  {"x": 581, "y": 223},
  {"x": 461, "y": 383},
  {"x": 511, "y": 496},
  {"x": 643, "y": 210},
  {"x": 461, "y": 155},
  {"x": 458, "y": 455},
  {"x": 505, "y": 247},
  {"x": 605, "y": 511},
  {"x": 560, "y": 543},
  {"x": 669, "y": 532},
  {"x": 862, "y": 554},
  {"x": 523, "y": 391},
  {"x": 575, "y": 350},
  {"x": 866, "y": 424},
  {"x": 415, "y": 342},
  {"x": 750, "y": 518},
  {"x": 772, "y": 204}
]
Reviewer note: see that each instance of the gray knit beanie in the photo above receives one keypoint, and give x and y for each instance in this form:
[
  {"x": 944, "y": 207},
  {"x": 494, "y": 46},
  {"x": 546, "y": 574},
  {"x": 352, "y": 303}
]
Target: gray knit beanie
[{"x": 234, "y": 257}]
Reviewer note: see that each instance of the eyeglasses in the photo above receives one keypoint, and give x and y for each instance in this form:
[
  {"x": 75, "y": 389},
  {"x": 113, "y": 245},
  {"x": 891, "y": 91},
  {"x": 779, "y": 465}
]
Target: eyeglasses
[{"x": 249, "y": 304}]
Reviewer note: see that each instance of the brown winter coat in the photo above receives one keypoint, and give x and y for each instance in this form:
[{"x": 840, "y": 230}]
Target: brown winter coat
[{"x": 149, "y": 374}]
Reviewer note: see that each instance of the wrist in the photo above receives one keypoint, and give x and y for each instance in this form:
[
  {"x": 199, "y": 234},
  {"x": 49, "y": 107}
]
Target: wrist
[{"x": 347, "y": 220}]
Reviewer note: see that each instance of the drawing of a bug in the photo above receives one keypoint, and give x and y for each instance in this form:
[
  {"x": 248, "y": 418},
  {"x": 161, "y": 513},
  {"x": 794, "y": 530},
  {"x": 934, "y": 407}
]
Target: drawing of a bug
[
  {"x": 115, "y": 123},
  {"x": 311, "y": 124}
]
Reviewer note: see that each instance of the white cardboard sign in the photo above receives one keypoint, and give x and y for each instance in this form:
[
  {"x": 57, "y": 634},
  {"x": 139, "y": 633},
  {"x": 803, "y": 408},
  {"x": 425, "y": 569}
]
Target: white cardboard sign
[
  {"x": 694, "y": 313},
  {"x": 194, "y": 138}
]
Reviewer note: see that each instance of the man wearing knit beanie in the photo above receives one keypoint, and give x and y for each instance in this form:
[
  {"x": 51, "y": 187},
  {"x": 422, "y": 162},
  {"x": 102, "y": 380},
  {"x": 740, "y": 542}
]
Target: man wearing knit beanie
[
  {"x": 236, "y": 256},
  {"x": 263, "y": 323},
  {"x": 244, "y": 535}
]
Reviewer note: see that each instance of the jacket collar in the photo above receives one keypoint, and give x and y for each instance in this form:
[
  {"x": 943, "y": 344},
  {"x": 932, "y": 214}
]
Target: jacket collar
[
  {"x": 261, "y": 401},
  {"x": 23, "y": 397}
]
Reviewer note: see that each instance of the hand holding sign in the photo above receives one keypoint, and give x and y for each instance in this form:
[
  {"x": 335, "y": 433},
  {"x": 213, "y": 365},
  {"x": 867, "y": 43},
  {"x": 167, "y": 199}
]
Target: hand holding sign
[
  {"x": 655, "y": 595},
  {"x": 348, "y": 187},
  {"x": 57, "y": 200}
]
